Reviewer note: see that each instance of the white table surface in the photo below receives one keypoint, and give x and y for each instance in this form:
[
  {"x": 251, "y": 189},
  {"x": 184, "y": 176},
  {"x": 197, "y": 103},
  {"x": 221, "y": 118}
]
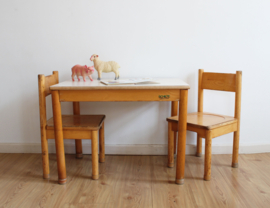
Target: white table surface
[{"x": 164, "y": 83}]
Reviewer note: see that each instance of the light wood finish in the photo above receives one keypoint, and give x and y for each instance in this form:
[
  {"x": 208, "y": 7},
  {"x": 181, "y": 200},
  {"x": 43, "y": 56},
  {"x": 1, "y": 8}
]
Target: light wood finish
[
  {"x": 218, "y": 81},
  {"x": 43, "y": 120},
  {"x": 70, "y": 134},
  {"x": 118, "y": 95},
  {"x": 59, "y": 142},
  {"x": 174, "y": 112},
  {"x": 66, "y": 126},
  {"x": 170, "y": 146},
  {"x": 208, "y": 152},
  {"x": 94, "y": 146},
  {"x": 79, "y": 122},
  {"x": 206, "y": 120},
  {"x": 49, "y": 81},
  {"x": 237, "y": 113},
  {"x": 182, "y": 130},
  {"x": 199, "y": 146},
  {"x": 200, "y": 109},
  {"x": 101, "y": 144},
  {"x": 78, "y": 142},
  {"x": 209, "y": 125},
  {"x": 135, "y": 181},
  {"x": 173, "y": 90}
]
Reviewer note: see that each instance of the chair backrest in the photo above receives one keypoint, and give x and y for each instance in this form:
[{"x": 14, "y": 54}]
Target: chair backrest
[
  {"x": 221, "y": 82},
  {"x": 44, "y": 83}
]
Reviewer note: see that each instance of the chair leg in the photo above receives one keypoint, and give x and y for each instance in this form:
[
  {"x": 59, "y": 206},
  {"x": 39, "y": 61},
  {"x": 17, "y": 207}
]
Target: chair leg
[
  {"x": 175, "y": 141},
  {"x": 170, "y": 146},
  {"x": 235, "y": 149},
  {"x": 95, "y": 174},
  {"x": 208, "y": 152},
  {"x": 101, "y": 144},
  {"x": 45, "y": 155},
  {"x": 78, "y": 142},
  {"x": 199, "y": 146},
  {"x": 78, "y": 145}
]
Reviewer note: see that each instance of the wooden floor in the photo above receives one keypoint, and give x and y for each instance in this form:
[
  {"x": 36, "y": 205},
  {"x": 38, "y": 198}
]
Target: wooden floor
[{"x": 135, "y": 181}]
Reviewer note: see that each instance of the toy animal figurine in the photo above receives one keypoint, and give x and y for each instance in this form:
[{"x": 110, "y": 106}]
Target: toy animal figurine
[
  {"x": 102, "y": 66},
  {"x": 83, "y": 71}
]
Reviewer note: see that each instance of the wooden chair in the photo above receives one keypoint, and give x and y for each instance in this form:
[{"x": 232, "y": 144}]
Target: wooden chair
[
  {"x": 74, "y": 127},
  {"x": 209, "y": 125}
]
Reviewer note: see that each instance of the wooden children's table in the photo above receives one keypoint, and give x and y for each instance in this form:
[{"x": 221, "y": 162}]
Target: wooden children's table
[{"x": 170, "y": 89}]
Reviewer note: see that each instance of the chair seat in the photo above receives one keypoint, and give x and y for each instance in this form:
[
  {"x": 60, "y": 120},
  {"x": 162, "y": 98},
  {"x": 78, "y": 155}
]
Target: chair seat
[
  {"x": 206, "y": 120},
  {"x": 79, "y": 122}
]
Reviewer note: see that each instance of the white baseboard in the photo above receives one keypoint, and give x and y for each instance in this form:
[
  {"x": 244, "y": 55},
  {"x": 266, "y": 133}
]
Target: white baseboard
[{"x": 131, "y": 149}]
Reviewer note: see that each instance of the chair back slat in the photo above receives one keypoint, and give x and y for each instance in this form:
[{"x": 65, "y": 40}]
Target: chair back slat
[
  {"x": 222, "y": 82},
  {"x": 219, "y": 81},
  {"x": 49, "y": 81}
]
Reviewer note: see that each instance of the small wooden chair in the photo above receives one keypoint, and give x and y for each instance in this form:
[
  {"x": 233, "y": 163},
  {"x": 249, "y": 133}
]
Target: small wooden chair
[
  {"x": 209, "y": 125},
  {"x": 74, "y": 127}
]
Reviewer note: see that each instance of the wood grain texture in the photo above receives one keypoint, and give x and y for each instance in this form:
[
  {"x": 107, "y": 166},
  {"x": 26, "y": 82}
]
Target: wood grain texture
[
  {"x": 51, "y": 80},
  {"x": 43, "y": 119},
  {"x": 174, "y": 112},
  {"x": 59, "y": 140},
  {"x": 44, "y": 83},
  {"x": 199, "y": 146},
  {"x": 209, "y": 125},
  {"x": 237, "y": 114},
  {"x": 66, "y": 127},
  {"x": 206, "y": 120},
  {"x": 171, "y": 144},
  {"x": 102, "y": 144},
  {"x": 135, "y": 181},
  {"x": 79, "y": 122},
  {"x": 78, "y": 142},
  {"x": 182, "y": 130},
  {"x": 70, "y": 134},
  {"x": 207, "y": 156},
  {"x": 219, "y": 81},
  {"x": 166, "y": 90},
  {"x": 94, "y": 146},
  {"x": 118, "y": 95},
  {"x": 200, "y": 109},
  {"x": 200, "y": 91}
]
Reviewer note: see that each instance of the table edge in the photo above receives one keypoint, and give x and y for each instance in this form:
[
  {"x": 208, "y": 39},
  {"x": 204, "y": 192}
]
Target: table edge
[{"x": 55, "y": 88}]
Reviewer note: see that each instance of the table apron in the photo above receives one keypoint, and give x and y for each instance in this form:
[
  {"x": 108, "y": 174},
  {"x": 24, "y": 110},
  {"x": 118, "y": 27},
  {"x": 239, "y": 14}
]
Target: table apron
[{"x": 119, "y": 95}]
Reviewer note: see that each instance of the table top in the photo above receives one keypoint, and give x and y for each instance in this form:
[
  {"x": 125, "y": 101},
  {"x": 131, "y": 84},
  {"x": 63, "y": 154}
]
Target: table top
[{"x": 163, "y": 83}]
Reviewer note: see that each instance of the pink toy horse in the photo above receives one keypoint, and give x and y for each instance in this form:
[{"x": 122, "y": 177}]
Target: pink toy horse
[{"x": 83, "y": 71}]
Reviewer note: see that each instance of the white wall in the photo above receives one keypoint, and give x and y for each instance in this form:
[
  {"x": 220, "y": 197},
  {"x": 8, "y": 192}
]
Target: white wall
[{"x": 149, "y": 38}]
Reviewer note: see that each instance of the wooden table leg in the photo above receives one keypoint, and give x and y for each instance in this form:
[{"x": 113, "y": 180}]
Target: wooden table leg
[
  {"x": 182, "y": 130},
  {"x": 95, "y": 174},
  {"x": 174, "y": 110},
  {"x": 59, "y": 141},
  {"x": 78, "y": 142}
]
